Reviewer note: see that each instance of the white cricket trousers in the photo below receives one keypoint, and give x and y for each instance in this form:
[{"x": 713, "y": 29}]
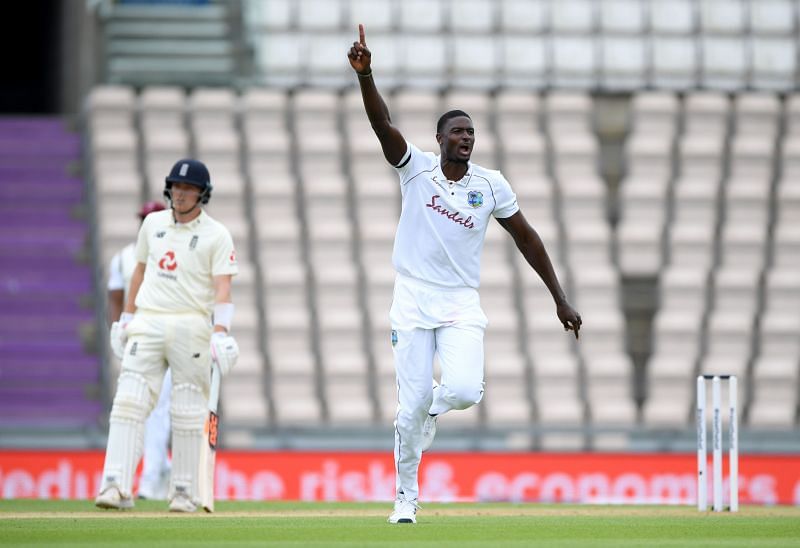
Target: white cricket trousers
[
  {"x": 156, "y": 438},
  {"x": 430, "y": 320},
  {"x": 155, "y": 341}
]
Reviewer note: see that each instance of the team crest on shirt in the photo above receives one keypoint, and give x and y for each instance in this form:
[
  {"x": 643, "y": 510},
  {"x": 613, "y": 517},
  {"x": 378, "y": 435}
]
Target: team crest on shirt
[
  {"x": 394, "y": 337},
  {"x": 475, "y": 198}
]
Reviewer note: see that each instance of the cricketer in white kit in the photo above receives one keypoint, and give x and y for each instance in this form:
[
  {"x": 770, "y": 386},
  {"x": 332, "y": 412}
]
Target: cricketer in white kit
[
  {"x": 179, "y": 307},
  {"x": 447, "y": 203},
  {"x": 154, "y": 481}
]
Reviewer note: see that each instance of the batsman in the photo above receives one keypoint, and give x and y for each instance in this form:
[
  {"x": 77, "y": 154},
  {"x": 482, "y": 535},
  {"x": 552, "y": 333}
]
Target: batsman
[{"x": 178, "y": 315}]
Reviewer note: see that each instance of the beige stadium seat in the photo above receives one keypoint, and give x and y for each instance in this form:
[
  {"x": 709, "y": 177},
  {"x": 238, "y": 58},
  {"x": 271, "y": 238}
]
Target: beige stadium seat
[
  {"x": 212, "y": 108},
  {"x": 706, "y": 113},
  {"x": 736, "y": 290},
  {"x": 691, "y": 244},
  {"x": 729, "y": 343},
  {"x": 639, "y": 246},
  {"x": 588, "y": 243},
  {"x": 348, "y": 400},
  {"x": 596, "y": 288},
  {"x": 775, "y": 372},
  {"x": 315, "y": 111},
  {"x": 162, "y": 106},
  {"x": 774, "y": 66},
  {"x": 787, "y": 203},
  {"x": 723, "y": 62},
  {"x": 272, "y": 15},
  {"x": 752, "y": 156},
  {"x": 242, "y": 401},
  {"x": 773, "y": 17},
  {"x": 684, "y": 289},
  {"x": 674, "y": 57},
  {"x": 471, "y": 16},
  {"x": 422, "y": 16},
  {"x": 644, "y": 199},
  {"x": 521, "y": 16},
  {"x": 264, "y": 108},
  {"x": 574, "y": 62},
  {"x": 743, "y": 245},
  {"x": 668, "y": 403},
  {"x": 476, "y": 103},
  {"x": 375, "y": 15},
  {"x": 568, "y": 113},
  {"x": 756, "y": 114},
  {"x": 416, "y": 108},
  {"x": 649, "y": 155},
  {"x": 319, "y": 15},
  {"x": 624, "y": 62},
  {"x": 296, "y": 400},
  {"x": 114, "y": 155},
  {"x": 676, "y": 17},
  {"x": 422, "y": 58},
  {"x": 474, "y": 60},
  {"x": 695, "y": 200},
  {"x": 523, "y": 62},
  {"x": 111, "y": 106},
  {"x": 219, "y": 148},
  {"x": 747, "y": 201},
  {"x": 722, "y": 17},
  {"x": 324, "y": 58},
  {"x": 622, "y": 16},
  {"x": 506, "y": 400},
  {"x": 700, "y": 155},
  {"x": 279, "y": 57},
  {"x": 782, "y": 291},
  {"x": 790, "y": 154},
  {"x": 654, "y": 113},
  {"x": 676, "y": 344}
]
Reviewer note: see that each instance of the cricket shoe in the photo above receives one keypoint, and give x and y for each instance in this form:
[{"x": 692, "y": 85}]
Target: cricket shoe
[
  {"x": 111, "y": 498},
  {"x": 428, "y": 432},
  {"x": 405, "y": 511},
  {"x": 182, "y": 503}
]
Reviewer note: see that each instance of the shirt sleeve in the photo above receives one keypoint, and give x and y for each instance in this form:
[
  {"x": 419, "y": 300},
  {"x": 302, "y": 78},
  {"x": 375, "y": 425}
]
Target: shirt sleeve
[
  {"x": 504, "y": 197},
  {"x": 224, "y": 256},
  {"x": 142, "y": 245},
  {"x": 413, "y": 162},
  {"x": 116, "y": 281}
]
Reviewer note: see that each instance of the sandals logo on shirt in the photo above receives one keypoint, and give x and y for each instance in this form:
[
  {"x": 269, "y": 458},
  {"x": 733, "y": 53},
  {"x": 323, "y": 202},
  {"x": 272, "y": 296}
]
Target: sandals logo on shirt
[{"x": 475, "y": 198}]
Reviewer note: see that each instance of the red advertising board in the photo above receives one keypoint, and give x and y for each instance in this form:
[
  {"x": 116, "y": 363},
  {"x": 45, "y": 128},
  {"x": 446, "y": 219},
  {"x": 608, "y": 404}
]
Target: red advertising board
[{"x": 359, "y": 476}]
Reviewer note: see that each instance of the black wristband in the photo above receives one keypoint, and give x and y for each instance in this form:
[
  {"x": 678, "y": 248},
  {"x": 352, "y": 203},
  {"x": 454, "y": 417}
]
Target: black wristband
[{"x": 367, "y": 75}]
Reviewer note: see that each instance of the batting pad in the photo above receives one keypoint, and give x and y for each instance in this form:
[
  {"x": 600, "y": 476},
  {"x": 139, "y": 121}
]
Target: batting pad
[
  {"x": 189, "y": 409},
  {"x": 132, "y": 403}
]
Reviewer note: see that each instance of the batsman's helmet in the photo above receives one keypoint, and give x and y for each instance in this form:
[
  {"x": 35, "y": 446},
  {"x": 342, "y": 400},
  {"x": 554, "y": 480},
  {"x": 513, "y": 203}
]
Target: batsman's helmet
[
  {"x": 191, "y": 172},
  {"x": 149, "y": 207}
]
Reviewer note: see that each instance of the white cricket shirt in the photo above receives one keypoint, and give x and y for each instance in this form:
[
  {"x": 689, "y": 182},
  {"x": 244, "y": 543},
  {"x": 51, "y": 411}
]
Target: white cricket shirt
[
  {"x": 443, "y": 223},
  {"x": 121, "y": 269},
  {"x": 181, "y": 261}
]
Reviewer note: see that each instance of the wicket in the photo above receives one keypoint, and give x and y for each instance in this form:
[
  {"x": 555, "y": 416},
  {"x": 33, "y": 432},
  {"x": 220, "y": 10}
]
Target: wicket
[{"x": 716, "y": 436}]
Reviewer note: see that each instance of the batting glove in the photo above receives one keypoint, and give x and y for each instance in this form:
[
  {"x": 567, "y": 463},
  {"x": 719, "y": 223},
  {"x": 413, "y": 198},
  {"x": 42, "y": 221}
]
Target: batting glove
[
  {"x": 224, "y": 351},
  {"x": 118, "y": 337}
]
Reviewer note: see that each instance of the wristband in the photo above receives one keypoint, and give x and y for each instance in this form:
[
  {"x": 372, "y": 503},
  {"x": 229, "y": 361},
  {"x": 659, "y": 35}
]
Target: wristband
[
  {"x": 367, "y": 75},
  {"x": 125, "y": 318},
  {"x": 223, "y": 315}
]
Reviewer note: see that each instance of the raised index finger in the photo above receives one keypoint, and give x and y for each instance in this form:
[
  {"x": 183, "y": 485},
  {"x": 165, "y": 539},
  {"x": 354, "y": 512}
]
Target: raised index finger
[{"x": 362, "y": 40}]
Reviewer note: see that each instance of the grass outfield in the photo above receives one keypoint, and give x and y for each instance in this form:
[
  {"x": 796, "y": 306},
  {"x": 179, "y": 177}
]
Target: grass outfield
[{"x": 79, "y": 523}]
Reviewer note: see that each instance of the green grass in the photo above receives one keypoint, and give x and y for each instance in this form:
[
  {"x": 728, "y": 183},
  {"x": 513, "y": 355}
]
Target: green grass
[{"x": 79, "y": 523}]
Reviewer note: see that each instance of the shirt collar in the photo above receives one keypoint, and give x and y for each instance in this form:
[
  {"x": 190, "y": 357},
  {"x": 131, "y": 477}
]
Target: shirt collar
[{"x": 445, "y": 181}]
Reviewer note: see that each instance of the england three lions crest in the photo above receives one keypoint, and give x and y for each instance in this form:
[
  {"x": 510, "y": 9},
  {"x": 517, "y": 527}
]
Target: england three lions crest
[{"x": 475, "y": 198}]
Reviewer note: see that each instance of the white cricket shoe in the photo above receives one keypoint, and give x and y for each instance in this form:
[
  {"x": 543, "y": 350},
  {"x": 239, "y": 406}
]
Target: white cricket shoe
[
  {"x": 405, "y": 511},
  {"x": 182, "y": 503},
  {"x": 111, "y": 498},
  {"x": 428, "y": 432}
]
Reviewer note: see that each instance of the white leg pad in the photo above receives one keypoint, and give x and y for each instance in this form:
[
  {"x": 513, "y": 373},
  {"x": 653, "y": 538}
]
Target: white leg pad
[
  {"x": 132, "y": 403},
  {"x": 188, "y": 410}
]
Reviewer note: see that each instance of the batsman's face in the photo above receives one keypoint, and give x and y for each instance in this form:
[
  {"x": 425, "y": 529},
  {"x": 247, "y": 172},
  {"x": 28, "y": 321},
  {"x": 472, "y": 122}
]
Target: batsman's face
[
  {"x": 184, "y": 196},
  {"x": 457, "y": 139}
]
